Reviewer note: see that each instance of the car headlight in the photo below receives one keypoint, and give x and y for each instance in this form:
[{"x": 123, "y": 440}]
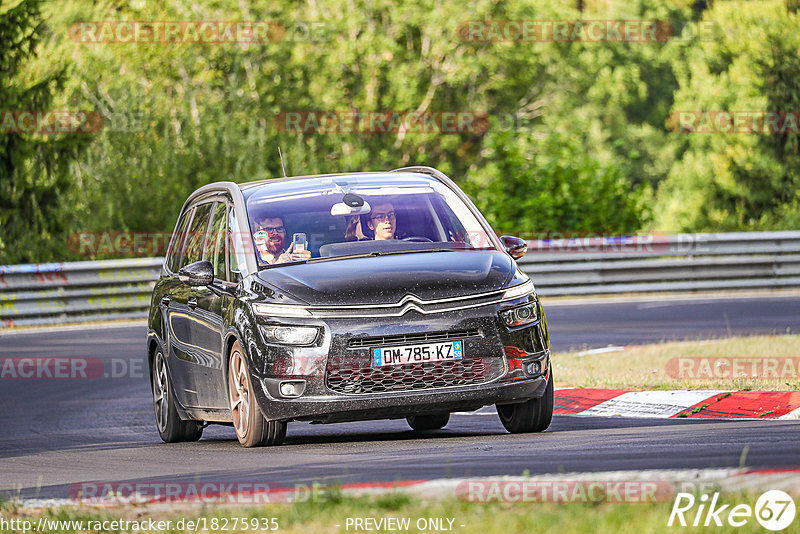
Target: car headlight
[
  {"x": 520, "y": 315},
  {"x": 290, "y": 335},
  {"x": 519, "y": 291},
  {"x": 281, "y": 310}
]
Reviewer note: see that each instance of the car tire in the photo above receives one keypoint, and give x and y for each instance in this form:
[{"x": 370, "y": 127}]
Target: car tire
[
  {"x": 252, "y": 430},
  {"x": 533, "y": 415},
  {"x": 428, "y": 422},
  {"x": 171, "y": 427}
]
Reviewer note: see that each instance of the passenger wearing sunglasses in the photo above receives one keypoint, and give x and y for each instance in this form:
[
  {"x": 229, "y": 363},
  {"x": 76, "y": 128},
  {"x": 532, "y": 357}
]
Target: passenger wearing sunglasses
[{"x": 270, "y": 238}]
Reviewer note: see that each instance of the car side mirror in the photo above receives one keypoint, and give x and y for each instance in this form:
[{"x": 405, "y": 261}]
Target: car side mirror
[
  {"x": 515, "y": 246},
  {"x": 199, "y": 273}
]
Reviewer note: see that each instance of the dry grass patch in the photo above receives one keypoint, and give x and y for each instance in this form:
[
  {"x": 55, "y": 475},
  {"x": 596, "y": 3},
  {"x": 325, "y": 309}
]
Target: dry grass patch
[{"x": 739, "y": 363}]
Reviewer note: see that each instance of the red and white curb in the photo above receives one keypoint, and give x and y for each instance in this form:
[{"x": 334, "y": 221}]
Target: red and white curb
[{"x": 697, "y": 404}]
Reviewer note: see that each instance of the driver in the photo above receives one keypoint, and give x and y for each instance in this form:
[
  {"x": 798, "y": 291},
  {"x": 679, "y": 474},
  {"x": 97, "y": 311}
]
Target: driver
[
  {"x": 270, "y": 238},
  {"x": 383, "y": 221}
]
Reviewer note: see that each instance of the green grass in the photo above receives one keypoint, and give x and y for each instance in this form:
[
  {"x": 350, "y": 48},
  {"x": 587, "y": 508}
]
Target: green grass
[
  {"x": 333, "y": 508},
  {"x": 646, "y": 366}
]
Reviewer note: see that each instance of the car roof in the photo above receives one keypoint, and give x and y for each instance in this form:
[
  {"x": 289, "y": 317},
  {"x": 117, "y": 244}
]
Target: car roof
[
  {"x": 337, "y": 178},
  {"x": 403, "y": 176}
]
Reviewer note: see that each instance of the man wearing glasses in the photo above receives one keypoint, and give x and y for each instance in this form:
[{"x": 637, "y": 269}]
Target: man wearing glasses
[
  {"x": 270, "y": 238},
  {"x": 383, "y": 221}
]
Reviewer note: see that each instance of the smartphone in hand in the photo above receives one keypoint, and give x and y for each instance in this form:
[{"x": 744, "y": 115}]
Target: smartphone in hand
[{"x": 300, "y": 243}]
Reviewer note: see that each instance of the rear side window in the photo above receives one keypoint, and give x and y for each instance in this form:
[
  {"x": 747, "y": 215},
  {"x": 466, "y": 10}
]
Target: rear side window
[
  {"x": 197, "y": 232},
  {"x": 215, "y": 244},
  {"x": 176, "y": 243}
]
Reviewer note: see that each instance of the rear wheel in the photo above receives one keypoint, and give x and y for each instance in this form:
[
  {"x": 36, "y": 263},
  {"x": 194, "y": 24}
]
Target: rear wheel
[
  {"x": 428, "y": 422},
  {"x": 533, "y": 415},
  {"x": 171, "y": 427},
  {"x": 252, "y": 429}
]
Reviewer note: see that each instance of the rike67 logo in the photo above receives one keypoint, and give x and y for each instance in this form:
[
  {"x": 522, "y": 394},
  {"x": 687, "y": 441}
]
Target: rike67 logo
[{"x": 774, "y": 510}]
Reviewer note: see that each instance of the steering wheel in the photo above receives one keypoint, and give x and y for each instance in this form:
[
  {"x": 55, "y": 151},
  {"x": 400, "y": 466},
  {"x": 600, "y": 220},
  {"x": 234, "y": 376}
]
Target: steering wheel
[{"x": 418, "y": 239}]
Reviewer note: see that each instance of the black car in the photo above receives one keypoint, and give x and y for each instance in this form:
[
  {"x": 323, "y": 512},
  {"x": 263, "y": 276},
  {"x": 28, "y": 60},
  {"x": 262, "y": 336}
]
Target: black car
[{"x": 343, "y": 297}]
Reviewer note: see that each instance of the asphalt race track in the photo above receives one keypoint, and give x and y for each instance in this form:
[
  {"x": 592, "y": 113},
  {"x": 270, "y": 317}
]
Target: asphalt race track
[{"x": 58, "y": 432}]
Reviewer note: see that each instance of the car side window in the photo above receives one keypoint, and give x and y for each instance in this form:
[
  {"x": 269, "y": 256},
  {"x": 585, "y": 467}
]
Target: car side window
[
  {"x": 197, "y": 232},
  {"x": 237, "y": 262},
  {"x": 215, "y": 244},
  {"x": 176, "y": 243}
]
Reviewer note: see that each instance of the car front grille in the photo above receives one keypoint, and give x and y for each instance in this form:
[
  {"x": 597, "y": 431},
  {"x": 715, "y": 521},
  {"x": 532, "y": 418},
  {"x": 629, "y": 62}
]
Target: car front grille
[
  {"x": 360, "y": 377},
  {"x": 407, "y": 339}
]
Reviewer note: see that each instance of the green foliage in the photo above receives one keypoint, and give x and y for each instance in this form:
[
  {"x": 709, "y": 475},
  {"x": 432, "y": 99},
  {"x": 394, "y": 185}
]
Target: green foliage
[
  {"x": 737, "y": 181},
  {"x": 589, "y": 141},
  {"x": 36, "y": 170},
  {"x": 533, "y": 186}
]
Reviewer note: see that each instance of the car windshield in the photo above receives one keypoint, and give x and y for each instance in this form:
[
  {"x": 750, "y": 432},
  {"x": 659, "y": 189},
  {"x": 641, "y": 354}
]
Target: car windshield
[{"x": 371, "y": 214}]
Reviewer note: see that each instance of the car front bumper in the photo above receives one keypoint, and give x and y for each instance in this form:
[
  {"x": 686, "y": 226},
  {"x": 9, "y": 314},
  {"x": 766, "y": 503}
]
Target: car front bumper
[
  {"x": 395, "y": 405},
  {"x": 504, "y": 354}
]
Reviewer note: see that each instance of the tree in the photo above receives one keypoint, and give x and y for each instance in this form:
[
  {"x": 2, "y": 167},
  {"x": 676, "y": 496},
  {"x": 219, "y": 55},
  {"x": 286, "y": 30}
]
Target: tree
[
  {"x": 36, "y": 174},
  {"x": 743, "y": 180},
  {"x": 553, "y": 186}
]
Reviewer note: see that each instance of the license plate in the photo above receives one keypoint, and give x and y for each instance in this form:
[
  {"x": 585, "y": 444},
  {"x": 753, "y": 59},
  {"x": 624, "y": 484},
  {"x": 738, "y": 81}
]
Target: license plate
[{"x": 427, "y": 352}]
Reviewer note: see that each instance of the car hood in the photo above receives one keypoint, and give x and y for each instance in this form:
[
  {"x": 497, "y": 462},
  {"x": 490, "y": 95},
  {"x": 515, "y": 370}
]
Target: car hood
[{"x": 387, "y": 279}]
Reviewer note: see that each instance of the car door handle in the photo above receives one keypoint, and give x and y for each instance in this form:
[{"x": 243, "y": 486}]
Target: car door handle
[
  {"x": 165, "y": 300},
  {"x": 192, "y": 302}
]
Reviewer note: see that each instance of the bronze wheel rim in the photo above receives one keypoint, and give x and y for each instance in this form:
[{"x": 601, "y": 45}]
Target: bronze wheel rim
[
  {"x": 161, "y": 392},
  {"x": 239, "y": 393}
]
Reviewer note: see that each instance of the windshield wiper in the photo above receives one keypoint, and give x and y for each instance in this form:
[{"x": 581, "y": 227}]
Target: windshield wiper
[
  {"x": 387, "y": 252},
  {"x": 271, "y": 265},
  {"x": 347, "y": 257},
  {"x": 372, "y": 253},
  {"x": 379, "y": 253}
]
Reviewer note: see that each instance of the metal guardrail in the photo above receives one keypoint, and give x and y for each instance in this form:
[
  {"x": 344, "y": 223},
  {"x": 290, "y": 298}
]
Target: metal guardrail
[
  {"x": 120, "y": 289},
  {"x": 655, "y": 263},
  {"x": 52, "y": 293}
]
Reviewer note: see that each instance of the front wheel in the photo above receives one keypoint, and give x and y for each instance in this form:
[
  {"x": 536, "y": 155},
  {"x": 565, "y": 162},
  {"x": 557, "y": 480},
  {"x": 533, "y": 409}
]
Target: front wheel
[
  {"x": 171, "y": 427},
  {"x": 428, "y": 422},
  {"x": 252, "y": 429},
  {"x": 533, "y": 415}
]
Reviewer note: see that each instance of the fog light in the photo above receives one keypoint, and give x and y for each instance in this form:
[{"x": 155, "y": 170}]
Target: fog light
[
  {"x": 520, "y": 316},
  {"x": 533, "y": 368},
  {"x": 292, "y": 389},
  {"x": 290, "y": 335}
]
